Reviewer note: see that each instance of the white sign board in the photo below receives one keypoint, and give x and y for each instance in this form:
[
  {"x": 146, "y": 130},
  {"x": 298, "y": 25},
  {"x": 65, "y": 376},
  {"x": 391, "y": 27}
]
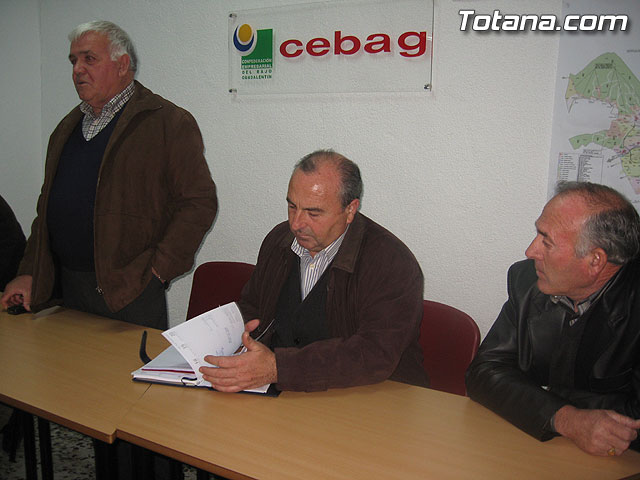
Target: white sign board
[{"x": 332, "y": 47}]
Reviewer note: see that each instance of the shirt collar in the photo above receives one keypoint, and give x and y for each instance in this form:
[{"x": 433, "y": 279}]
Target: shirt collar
[
  {"x": 112, "y": 106},
  {"x": 583, "y": 305},
  {"x": 329, "y": 251}
]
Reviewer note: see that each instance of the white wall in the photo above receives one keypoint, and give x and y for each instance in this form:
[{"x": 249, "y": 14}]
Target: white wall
[
  {"x": 459, "y": 174},
  {"x": 20, "y": 103}
]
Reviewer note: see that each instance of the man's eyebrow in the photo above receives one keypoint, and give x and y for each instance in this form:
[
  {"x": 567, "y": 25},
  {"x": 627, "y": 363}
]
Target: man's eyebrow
[
  {"x": 83, "y": 52},
  {"x": 308, "y": 209},
  {"x": 543, "y": 233}
]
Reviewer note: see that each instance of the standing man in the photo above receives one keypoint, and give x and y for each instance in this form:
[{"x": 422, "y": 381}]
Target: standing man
[
  {"x": 344, "y": 294},
  {"x": 127, "y": 194},
  {"x": 563, "y": 357}
]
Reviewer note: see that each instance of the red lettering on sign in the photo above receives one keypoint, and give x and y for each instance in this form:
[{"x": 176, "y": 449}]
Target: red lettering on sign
[
  {"x": 420, "y": 45},
  {"x": 318, "y": 47},
  {"x": 284, "y": 48},
  {"x": 411, "y": 44},
  {"x": 382, "y": 45},
  {"x": 339, "y": 42}
]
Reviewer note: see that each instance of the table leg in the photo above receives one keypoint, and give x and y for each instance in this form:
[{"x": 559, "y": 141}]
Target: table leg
[
  {"x": 175, "y": 469},
  {"x": 29, "y": 438},
  {"x": 46, "y": 459},
  {"x": 142, "y": 461},
  {"x": 106, "y": 460}
]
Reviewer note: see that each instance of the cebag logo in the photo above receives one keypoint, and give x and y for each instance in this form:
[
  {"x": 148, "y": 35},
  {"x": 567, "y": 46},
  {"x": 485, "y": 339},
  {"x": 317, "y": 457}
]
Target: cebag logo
[{"x": 256, "y": 49}]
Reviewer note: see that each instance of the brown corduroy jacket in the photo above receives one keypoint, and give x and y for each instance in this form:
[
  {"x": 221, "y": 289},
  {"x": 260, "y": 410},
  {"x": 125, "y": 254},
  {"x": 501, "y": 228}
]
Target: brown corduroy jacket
[
  {"x": 155, "y": 200},
  {"x": 374, "y": 311}
]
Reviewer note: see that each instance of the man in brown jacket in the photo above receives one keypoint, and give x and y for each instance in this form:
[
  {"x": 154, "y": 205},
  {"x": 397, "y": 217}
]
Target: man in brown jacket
[
  {"x": 127, "y": 195},
  {"x": 339, "y": 296}
]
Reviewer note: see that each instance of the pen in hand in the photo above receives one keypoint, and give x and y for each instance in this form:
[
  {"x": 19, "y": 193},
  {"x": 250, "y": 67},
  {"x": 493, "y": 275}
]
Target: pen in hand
[{"x": 257, "y": 339}]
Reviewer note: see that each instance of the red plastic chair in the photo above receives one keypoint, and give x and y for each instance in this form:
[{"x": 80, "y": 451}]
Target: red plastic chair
[
  {"x": 449, "y": 340},
  {"x": 215, "y": 284}
]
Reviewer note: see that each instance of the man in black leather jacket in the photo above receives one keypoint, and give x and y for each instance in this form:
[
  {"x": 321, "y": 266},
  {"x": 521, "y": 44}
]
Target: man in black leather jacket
[{"x": 563, "y": 357}]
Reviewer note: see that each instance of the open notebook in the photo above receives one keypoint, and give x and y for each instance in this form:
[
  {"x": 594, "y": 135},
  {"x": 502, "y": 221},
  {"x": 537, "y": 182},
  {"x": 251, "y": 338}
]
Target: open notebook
[{"x": 216, "y": 332}]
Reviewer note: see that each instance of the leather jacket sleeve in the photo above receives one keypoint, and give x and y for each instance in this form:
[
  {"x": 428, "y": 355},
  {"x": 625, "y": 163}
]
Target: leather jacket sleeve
[
  {"x": 511, "y": 372},
  {"x": 496, "y": 378}
]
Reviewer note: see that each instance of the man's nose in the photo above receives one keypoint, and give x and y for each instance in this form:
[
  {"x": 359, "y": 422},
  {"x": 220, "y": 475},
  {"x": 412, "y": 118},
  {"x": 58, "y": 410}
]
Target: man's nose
[
  {"x": 532, "y": 250},
  {"x": 296, "y": 221},
  {"x": 78, "y": 67}
]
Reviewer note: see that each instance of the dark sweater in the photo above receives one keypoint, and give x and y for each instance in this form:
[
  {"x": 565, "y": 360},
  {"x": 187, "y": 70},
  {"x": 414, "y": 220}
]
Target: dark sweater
[{"x": 72, "y": 199}]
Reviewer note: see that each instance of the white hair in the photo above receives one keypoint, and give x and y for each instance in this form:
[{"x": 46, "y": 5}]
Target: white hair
[{"x": 118, "y": 39}]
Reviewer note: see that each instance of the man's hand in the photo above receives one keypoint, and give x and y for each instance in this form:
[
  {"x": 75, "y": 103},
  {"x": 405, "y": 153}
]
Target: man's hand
[
  {"x": 251, "y": 369},
  {"x": 597, "y": 432},
  {"x": 18, "y": 292}
]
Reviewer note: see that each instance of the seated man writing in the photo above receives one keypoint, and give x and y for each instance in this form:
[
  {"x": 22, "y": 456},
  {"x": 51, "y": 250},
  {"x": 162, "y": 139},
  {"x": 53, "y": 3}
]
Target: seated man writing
[
  {"x": 339, "y": 296},
  {"x": 563, "y": 357}
]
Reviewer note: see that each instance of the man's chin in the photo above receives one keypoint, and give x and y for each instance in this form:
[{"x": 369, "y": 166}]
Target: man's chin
[
  {"x": 81, "y": 89},
  {"x": 543, "y": 287},
  {"x": 303, "y": 241}
]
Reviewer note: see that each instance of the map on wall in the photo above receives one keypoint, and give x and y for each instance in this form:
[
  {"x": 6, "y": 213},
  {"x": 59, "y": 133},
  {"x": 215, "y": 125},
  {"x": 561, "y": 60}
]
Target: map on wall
[{"x": 596, "y": 125}]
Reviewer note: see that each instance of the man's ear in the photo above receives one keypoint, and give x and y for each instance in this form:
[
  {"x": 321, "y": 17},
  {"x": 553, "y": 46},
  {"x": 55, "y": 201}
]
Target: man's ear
[
  {"x": 352, "y": 209},
  {"x": 123, "y": 65},
  {"x": 598, "y": 260}
]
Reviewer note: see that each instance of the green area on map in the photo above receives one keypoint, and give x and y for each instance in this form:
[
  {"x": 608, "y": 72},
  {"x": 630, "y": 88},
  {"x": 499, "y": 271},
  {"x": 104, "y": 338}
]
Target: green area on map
[{"x": 609, "y": 79}]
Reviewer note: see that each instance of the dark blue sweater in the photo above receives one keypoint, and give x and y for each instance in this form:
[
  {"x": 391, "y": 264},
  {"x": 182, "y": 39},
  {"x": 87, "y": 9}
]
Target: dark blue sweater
[{"x": 72, "y": 198}]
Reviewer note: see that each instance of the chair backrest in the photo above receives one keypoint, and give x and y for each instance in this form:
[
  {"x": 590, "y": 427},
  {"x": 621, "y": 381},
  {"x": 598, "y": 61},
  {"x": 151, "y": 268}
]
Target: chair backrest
[
  {"x": 449, "y": 340},
  {"x": 215, "y": 284}
]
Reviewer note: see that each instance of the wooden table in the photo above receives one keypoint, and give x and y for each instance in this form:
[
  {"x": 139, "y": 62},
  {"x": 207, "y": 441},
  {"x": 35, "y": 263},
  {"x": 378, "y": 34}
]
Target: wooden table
[
  {"x": 389, "y": 430},
  {"x": 72, "y": 368}
]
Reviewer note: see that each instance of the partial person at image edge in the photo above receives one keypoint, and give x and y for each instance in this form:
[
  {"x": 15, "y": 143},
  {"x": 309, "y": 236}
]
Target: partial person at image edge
[{"x": 12, "y": 242}]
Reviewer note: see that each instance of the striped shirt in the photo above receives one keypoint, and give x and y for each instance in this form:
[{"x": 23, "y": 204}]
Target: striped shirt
[
  {"x": 92, "y": 124},
  {"x": 312, "y": 268}
]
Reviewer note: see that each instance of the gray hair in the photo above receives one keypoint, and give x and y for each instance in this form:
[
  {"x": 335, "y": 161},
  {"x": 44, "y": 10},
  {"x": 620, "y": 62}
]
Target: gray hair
[
  {"x": 613, "y": 226},
  {"x": 118, "y": 39},
  {"x": 351, "y": 188}
]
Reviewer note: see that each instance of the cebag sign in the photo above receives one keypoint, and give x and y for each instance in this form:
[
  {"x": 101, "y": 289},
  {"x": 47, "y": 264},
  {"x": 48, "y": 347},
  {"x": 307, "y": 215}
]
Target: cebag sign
[
  {"x": 350, "y": 46},
  {"x": 411, "y": 44}
]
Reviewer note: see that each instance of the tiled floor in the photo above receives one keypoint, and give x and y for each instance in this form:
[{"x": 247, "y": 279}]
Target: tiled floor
[
  {"x": 72, "y": 454},
  {"x": 73, "y": 457}
]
